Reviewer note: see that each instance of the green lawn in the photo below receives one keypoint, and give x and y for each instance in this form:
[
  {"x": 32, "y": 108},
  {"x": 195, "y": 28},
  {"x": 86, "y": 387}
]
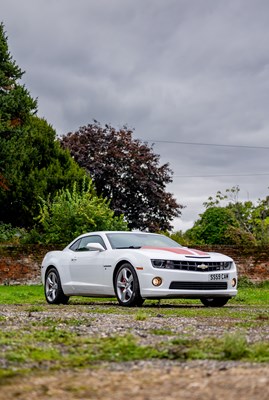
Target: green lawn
[{"x": 249, "y": 294}]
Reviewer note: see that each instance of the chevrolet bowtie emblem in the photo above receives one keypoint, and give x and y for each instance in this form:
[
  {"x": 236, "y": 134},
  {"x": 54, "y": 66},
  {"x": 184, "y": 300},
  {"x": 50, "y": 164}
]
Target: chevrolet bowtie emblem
[{"x": 202, "y": 266}]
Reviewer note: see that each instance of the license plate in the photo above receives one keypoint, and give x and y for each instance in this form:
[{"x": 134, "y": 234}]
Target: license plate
[{"x": 218, "y": 277}]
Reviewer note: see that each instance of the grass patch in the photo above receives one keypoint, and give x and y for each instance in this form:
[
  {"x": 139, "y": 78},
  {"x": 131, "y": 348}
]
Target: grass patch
[
  {"x": 112, "y": 349},
  {"x": 257, "y": 295},
  {"x": 248, "y": 294},
  {"x": 226, "y": 348},
  {"x": 162, "y": 332},
  {"x": 33, "y": 294},
  {"x": 54, "y": 348},
  {"x": 141, "y": 315}
]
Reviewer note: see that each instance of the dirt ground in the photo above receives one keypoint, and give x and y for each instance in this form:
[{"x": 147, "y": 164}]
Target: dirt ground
[
  {"x": 141, "y": 380},
  {"x": 192, "y": 381}
]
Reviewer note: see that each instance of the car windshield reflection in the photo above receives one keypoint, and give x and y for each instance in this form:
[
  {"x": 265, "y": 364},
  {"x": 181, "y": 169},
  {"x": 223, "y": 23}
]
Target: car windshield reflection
[{"x": 138, "y": 240}]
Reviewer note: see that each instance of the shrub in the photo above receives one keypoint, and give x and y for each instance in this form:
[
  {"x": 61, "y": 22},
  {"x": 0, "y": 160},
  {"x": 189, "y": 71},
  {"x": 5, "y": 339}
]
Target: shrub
[
  {"x": 71, "y": 213},
  {"x": 10, "y": 234}
]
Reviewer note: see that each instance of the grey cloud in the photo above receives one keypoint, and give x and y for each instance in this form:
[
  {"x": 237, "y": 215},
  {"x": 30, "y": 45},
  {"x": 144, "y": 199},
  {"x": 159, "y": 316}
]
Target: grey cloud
[{"x": 172, "y": 69}]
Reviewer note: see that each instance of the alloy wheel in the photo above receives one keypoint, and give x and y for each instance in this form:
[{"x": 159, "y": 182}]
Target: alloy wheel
[
  {"x": 51, "y": 286},
  {"x": 125, "y": 285}
]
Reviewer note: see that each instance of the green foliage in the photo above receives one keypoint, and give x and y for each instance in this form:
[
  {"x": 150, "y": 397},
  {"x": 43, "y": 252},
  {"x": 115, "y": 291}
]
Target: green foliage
[
  {"x": 244, "y": 282},
  {"x": 9, "y": 234},
  {"x": 35, "y": 166},
  {"x": 73, "y": 212},
  {"x": 213, "y": 227},
  {"x": 16, "y": 104},
  {"x": 226, "y": 220},
  {"x": 179, "y": 237},
  {"x": 259, "y": 220},
  {"x": 32, "y": 162}
]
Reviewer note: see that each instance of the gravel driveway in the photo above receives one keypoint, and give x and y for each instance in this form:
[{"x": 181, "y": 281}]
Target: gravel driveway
[{"x": 159, "y": 379}]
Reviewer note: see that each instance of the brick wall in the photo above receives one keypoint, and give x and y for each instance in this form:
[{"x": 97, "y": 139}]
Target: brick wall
[
  {"x": 251, "y": 262},
  {"x": 21, "y": 264}
]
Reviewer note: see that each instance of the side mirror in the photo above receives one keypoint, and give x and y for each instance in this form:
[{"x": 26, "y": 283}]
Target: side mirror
[{"x": 95, "y": 247}]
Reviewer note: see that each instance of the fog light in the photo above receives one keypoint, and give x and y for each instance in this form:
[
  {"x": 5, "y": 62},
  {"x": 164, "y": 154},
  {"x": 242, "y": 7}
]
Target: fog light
[
  {"x": 233, "y": 282},
  {"x": 157, "y": 281}
]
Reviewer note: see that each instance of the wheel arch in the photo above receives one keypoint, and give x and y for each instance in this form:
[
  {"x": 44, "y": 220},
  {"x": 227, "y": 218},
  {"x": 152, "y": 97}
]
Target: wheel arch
[
  {"x": 117, "y": 267},
  {"x": 45, "y": 270},
  {"x": 49, "y": 267},
  {"x": 135, "y": 299},
  {"x": 53, "y": 287}
]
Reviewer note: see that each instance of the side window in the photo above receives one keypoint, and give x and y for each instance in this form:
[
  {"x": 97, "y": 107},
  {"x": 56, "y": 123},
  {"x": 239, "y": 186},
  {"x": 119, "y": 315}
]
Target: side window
[
  {"x": 75, "y": 245},
  {"x": 90, "y": 239}
]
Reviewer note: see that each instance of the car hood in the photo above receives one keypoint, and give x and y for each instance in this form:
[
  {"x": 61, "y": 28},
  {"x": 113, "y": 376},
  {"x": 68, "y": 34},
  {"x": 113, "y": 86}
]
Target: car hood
[{"x": 180, "y": 253}]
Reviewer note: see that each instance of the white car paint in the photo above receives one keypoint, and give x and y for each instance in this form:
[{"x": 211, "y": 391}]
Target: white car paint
[{"x": 91, "y": 273}]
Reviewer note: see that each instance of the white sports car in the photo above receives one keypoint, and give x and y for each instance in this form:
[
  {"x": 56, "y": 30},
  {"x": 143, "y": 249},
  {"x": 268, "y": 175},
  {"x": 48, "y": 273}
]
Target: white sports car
[{"x": 136, "y": 266}]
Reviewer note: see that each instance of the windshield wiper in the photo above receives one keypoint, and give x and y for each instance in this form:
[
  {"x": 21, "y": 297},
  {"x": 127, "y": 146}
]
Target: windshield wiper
[{"x": 129, "y": 247}]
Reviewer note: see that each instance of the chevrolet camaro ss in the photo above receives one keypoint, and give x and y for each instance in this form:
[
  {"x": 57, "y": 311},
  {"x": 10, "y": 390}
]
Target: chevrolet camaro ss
[{"x": 134, "y": 266}]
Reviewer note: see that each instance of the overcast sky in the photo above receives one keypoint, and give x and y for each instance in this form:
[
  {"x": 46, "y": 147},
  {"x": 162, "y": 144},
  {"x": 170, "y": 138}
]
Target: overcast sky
[{"x": 193, "y": 71}]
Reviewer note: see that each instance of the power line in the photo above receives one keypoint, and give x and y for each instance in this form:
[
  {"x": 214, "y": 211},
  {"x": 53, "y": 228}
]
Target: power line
[
  {"x": 207, "y": 144},
  {"x": 216, "y": 145},
  {"x": 219, "y": 175}
]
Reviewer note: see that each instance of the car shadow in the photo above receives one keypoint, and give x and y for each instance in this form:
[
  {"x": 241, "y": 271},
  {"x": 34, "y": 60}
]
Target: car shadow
[{"x": 157, "y": 306}]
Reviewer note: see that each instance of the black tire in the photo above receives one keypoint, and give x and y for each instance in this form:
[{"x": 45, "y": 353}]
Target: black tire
[
  {"x": 126, "y": 287},
  {"x": 215, "y": 302},
  {"x": 53, "y": 289}
]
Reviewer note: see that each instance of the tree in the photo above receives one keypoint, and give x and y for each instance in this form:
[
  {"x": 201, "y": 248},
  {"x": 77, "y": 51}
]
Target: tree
[
  {"x": 35, "y": 167},
  {"x": 73, "y": 212},
  {"x": 32, "y": 162},
  {"x": 16, "y": 104},
  {"x": 226, "y": 220},
  {"x": 213, "y": 227},
  {"x": 127, "y": 172}
]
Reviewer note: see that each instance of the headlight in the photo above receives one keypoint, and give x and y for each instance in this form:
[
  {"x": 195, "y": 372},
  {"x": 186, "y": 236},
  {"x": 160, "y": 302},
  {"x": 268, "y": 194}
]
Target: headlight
[
  {"x": 165, "y": 264},
  {"x": 226, "y": 265}
]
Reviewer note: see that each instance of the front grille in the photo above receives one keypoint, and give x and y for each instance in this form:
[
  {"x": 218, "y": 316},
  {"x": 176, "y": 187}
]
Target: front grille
[
  {"x": 201, "y": 266},
  {"x": 198, "y": 285}
]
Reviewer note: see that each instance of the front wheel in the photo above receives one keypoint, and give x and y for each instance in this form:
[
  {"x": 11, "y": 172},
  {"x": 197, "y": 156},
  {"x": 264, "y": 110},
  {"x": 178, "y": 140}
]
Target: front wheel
[
  {"x": 53, "y": 289},
  {"x": 214, "y": 302},
  {"x": 126, "y": 287}
]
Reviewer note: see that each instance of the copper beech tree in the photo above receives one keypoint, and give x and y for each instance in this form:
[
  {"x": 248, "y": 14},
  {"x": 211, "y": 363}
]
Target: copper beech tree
[{"x": 127, "y": 172}]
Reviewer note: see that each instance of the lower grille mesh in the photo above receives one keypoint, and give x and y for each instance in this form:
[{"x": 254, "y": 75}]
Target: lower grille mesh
[{"x": 198, "y": 285}]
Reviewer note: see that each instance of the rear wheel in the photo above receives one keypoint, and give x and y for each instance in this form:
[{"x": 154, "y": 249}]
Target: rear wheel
[
  {"x": 126, "y": 287},
  {"x": 53, "y": 289},
  {"x": 214, "y": 302}
]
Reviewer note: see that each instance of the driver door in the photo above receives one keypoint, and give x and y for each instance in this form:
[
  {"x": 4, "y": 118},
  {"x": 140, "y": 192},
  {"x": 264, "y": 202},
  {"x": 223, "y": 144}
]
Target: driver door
[{"x": 86, "y": 267}]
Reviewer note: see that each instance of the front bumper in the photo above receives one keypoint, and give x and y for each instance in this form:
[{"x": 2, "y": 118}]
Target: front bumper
[{"x": 188, "y": 284}]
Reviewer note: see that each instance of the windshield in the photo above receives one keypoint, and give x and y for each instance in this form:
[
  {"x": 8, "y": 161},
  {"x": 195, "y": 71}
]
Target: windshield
[{"x": 138, "y": 240}]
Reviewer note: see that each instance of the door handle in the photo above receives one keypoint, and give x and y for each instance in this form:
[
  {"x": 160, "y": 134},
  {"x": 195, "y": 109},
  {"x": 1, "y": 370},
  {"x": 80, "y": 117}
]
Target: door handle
[{"x": 74, "y": 259}]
